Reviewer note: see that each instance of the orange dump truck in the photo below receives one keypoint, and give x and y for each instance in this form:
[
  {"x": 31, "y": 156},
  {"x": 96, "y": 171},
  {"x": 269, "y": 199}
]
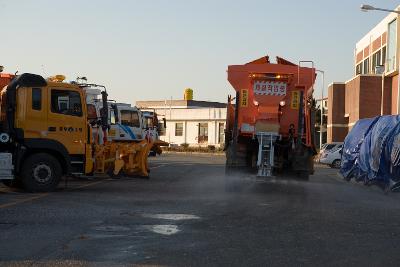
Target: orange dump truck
[{"x": 270, "y": 121}]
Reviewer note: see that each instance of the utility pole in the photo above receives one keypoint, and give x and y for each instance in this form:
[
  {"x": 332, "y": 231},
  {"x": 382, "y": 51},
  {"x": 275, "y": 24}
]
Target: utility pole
[{"x": 322, "y": 107}]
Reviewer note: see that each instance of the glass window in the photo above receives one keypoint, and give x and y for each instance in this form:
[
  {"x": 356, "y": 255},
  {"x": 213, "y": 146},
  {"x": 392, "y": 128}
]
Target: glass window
[
  {"x": 221, "y": 135},
  {"x": 161, "y": 129},
  {"x": 36, "y": 98},
  {"x": 366, "y": 66},
  {"x": 149, "y": 122},
  {"x": 330, "y": 146},
  {"x": 391, "y": 46},
  {"x": 91, "y": 110},
  {"x": 179, "y": 129},
  {"x": 66, "y": 102},
  {"x": 135, "y": 119},
  {"x": 359, "y": 69},
  {"x": 383, "y": 56},
  {"x": 203, "y": 133},
  {"x": 111, "y": 116},
  {"x": 376, "y": 60},
  {"x": 130, "y": 118}
]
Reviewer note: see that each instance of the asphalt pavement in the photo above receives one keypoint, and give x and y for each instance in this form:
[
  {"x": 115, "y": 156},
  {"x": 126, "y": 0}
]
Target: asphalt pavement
[{"x": 183, "y": 216}]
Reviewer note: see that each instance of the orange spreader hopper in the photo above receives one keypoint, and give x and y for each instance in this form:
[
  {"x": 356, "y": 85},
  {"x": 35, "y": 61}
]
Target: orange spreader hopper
[
  {"x": 270, "y": 93},
  {"x": 273, "y": 100}
]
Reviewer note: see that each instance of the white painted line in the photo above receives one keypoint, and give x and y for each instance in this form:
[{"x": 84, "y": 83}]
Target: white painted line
[
  {"x": 163, "y": 229},
  {"x": 172, "y": 217}
]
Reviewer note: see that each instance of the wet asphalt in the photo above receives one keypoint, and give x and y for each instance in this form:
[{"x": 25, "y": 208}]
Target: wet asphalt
[{"x": 183, "y": 216}]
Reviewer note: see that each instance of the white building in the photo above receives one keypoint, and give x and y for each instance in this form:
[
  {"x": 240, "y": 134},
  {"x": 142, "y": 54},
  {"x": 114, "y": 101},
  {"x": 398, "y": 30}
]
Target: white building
[{"x": 196, "y": 123}]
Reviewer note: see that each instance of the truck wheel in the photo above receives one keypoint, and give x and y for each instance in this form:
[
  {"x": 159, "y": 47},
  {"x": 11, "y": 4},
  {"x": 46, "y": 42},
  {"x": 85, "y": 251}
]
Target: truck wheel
[
  {"x": 40, "y": 173},
  {"x": 336, "y": 164}
]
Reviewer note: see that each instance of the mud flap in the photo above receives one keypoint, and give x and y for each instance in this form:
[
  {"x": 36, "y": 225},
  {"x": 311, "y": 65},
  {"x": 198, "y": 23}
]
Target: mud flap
[{"x": 302, "y": 160}]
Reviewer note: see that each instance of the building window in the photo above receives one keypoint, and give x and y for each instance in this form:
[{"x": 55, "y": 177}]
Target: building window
[
  {"x": 179, "y": 129},
  {"x": 161, "y": 129},
  {"x": 391, "y": 46},
  {"x": 376, "y": 60},
  {"x": 66, "y": 102},
  {"x": 36, "y": 98},
  {"x": 221, "y": 133},
  {"x": 366, "y": 66},
  {"x": 130, "y": 118},
  {"x": 359, "y": 69},
  {"x": 383, "y": 54},
  {"x": 203, "y": 133}
]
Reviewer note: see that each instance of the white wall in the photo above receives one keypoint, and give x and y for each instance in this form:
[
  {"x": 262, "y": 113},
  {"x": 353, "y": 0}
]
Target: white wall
[{"x": 191, "y": 117}]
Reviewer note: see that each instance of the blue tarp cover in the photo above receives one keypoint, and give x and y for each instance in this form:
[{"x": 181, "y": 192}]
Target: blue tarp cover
[{"x": 371, "y": 151}]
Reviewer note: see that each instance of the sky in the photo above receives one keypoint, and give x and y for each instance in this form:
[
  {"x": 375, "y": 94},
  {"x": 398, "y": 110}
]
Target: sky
[{"x": 153, "y": 50}]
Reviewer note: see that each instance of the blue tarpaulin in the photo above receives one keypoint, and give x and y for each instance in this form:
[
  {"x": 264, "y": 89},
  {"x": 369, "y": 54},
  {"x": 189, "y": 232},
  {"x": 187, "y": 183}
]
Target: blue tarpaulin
[{"x": 371, "y": 151}]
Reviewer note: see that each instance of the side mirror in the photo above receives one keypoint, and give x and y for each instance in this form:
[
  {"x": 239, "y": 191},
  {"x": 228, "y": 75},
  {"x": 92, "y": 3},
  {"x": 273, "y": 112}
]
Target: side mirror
[{"x": 165, "y": 123}]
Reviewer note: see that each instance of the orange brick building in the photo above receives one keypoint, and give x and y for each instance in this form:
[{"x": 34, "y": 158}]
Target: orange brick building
[{"x": 374, "y": 89}]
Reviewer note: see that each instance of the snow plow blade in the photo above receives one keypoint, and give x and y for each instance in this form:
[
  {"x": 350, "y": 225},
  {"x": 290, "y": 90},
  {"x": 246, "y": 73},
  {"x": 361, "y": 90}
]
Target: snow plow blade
[{"x": 128, "y": 158}]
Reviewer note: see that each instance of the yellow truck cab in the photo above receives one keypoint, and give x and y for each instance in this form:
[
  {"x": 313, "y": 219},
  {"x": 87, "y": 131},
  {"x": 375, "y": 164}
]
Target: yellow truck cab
[{"x": 44, "y": 133}]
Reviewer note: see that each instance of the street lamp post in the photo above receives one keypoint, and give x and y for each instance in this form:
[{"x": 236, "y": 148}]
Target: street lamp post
[
  {"x": 322, "y": 107},
  {"x": 367, "y": 8}
]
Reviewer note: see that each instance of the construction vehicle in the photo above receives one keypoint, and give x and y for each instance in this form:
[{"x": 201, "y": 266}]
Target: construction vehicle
[
  {"x": 153, "y": 129},
  {"x": 270, "y": 121},
  {"x": 126, "y": 123},
  {"x": 46, "y": 135}
]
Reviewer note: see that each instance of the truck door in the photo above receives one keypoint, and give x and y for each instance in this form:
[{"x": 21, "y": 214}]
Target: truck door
[
  {"x": 66, "y": 120},
  {"x": 32, "y": 116}
]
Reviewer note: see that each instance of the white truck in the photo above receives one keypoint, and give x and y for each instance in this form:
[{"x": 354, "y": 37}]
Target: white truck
[{"x": 127, "y": 122}]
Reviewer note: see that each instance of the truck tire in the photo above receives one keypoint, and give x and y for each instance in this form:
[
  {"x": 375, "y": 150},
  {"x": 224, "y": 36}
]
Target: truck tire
[
  {"x": 40, "y": 173},
  {"x": 336, "y": 164}
]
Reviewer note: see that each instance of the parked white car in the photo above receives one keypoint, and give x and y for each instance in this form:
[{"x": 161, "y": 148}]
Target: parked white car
[{"x": 331, "y": 154}]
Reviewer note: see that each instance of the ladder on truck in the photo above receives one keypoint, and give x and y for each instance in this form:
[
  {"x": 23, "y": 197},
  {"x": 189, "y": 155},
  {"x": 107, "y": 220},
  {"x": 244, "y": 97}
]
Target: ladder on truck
[{"x": 265, "y": 158}]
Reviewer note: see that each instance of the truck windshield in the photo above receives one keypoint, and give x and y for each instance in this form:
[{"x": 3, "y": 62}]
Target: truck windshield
[
  {"x": 130, "y": 118},
  {"x": 149, "y": 122},
  {"x": 66, "y": 102}
]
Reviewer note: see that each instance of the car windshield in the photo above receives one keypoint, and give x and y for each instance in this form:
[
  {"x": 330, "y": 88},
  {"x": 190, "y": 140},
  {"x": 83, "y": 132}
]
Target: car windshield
[{"x": 329, "y": 146}]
